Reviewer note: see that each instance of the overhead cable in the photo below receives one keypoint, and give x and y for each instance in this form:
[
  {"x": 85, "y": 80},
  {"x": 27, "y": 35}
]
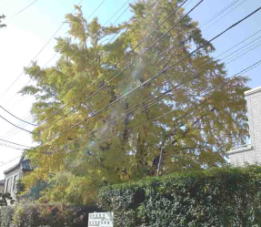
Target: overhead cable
[
  {"x": 38, "y": 54},
  {"x": 14, "y": 143},
  {"x": 97, "y": 8},
  {"x": 223, "y": 12},
  {"x": 239, "y": 43},
  {"x": 12, "y": 147},
  {"x": 138, "y": 125},
  {"x": 167, "y": 68},
  {"x": 151, "y": 46},
  {"x": 25, "y": 8},
  {"x": 18, "y": 118},
  {"x": 16, "y": 126}
]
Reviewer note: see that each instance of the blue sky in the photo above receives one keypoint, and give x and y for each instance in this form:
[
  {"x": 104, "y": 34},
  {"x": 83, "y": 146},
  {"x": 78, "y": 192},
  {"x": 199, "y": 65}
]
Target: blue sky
[
  {"x": 30, "y": 29},
  {"x": 209, "y": 9}
]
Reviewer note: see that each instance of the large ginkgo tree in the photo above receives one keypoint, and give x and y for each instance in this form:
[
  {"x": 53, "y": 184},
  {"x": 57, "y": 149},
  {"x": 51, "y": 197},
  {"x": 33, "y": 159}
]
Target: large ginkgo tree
[{"x": 127, "y": 101}]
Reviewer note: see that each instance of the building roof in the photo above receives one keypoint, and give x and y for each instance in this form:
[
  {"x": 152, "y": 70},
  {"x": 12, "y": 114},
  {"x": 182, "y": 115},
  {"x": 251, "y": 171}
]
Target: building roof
[
  {"x": 243, "y": 148},
  {"x": 24, "y": 164},
  {"x": 253, "y": 91},
  {"x": 12, "y": 168}
]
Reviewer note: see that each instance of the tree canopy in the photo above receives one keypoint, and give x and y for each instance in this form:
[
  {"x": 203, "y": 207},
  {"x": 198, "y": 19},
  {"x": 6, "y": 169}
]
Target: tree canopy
[{"x": 127, "y": 101}]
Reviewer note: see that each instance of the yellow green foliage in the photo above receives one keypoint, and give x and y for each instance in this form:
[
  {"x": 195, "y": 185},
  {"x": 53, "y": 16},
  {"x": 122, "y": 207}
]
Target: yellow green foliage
[{"x": 185, "y": 118}]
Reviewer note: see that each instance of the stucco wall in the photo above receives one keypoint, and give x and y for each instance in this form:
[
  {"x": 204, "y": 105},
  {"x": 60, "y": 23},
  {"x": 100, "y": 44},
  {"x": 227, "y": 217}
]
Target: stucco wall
[
  {"x": 11, "y": 179},
  {"x": 243, "y": 157},
  {"x": 253, "y": 155},
  {"x": 253, "y": 98}
]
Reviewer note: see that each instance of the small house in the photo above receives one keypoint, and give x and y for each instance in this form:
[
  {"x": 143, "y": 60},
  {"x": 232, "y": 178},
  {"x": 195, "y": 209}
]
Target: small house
[{"x": 13, "y": 174}]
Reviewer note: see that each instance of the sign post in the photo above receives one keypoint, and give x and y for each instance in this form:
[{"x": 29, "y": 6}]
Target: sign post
[{"x": 100, "y": 219}]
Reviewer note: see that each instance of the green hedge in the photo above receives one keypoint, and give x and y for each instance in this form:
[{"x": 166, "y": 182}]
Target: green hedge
[
  {"x": 55, "y": 215},
  {"x": 6, "y": 214},
  {"x": 217, "y": 197}
]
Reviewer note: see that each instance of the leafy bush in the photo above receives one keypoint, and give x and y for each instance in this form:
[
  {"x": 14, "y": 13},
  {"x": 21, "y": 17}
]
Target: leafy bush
[
  {"x": 6, "y": 214},
  {"x": 215, "y": 197},
  {"x": 55, "y": 215},
  {"x": 5, "y": 199}
]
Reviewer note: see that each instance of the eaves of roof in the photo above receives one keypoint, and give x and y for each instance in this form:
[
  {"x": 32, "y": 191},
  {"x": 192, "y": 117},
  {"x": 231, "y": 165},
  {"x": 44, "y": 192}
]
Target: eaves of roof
[{"x": 12, "y": 168}]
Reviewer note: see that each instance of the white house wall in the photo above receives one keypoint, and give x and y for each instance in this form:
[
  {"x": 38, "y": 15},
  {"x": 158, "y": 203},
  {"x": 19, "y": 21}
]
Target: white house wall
[
  {"x": 11, "y": 179},
  {"x": 253, "y": 98},
  {"x": 250, "y": 154}
]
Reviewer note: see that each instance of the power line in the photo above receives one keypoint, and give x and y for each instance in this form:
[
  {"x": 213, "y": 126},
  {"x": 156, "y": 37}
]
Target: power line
[
  {"x": 117, "y": 11},
  {"x": 217, "y": 36},
  {"x": 235, "y": 24},
  {"x": 239, "y": 43},
  {"x": 247, "y": 50},
  {"x": 11, "y": 132},
  {"x": 16, "y": 126},
  {"x": 245, "y": 47},
  {"x": 121, "y": 14},
  {"x": 39, "y": 52},
  {"x": 25, "y": 8},
  {"x": 45, "y": 64},
  {"x": 152, "y": 46},
  {"x": 97, "y": 8},
  {"x": 18, "y": 118},
  {"x": 248, "y": 68},
  {"x": 115, "y": 21},
  {"x": 167, "y": 68},
  {"x": 12, "y": 147},
  {"x": 251, "y": 67},
  {"x": 191, "y": 108},
  {"x": 46, "y": 44},
  {"x": 37, "y": 55},
  {"x": 181, "y": 5},
  {"x": 223, "y": 12},
  {"x": 14, "y": 143}
]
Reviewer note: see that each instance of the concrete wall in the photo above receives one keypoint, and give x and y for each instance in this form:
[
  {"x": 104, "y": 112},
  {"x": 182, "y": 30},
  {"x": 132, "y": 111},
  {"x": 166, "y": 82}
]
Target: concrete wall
[
  {"x": 11, "y": 179},
  {"x": 253, "y": 98},
  {"x": 242, "y": 156},
  {"x": 250, "y": 154}
]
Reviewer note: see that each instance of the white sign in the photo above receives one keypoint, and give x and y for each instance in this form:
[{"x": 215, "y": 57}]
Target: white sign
[{"x": 101, "y": 219}]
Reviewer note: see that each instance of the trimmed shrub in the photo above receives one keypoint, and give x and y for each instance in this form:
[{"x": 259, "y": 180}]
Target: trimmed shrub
[
  {"x": 215, "y": 197},
  {"x": 6, "y": 214},
  {"x": 55, "y": 215}
]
